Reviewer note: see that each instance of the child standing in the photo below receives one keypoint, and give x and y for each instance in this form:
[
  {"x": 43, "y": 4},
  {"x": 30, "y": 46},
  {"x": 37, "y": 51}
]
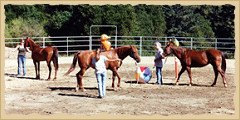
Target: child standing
[
  {"x": 158, "y": 62},
  {"x": 105, "y": 44}
]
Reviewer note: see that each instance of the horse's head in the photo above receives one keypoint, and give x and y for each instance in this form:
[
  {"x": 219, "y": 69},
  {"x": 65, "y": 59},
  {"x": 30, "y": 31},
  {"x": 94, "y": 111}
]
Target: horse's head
[
  {"x": 134, "y": 54},
  {"x": 168, "y": 48},
  {"x": 26, "y": 42}
]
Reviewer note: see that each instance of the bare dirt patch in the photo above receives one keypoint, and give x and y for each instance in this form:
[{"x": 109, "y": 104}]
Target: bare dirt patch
[{"x": 27, "y": 96}]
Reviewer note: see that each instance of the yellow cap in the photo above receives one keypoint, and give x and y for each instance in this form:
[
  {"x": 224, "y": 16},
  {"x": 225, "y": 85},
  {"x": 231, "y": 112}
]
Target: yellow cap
[
  {"x": 176, "y": 42},
  {"x": 104, "y": 37}
]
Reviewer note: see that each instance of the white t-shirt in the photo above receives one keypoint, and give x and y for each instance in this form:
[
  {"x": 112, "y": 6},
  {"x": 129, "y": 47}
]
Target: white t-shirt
[{"x": 100, "y": 66}]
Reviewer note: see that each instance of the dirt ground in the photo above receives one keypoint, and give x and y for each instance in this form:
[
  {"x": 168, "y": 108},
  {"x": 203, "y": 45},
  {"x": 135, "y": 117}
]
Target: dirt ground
[{"x": 26, "y": 95}]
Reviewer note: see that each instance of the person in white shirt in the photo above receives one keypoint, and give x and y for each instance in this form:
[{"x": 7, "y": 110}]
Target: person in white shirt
[{"x": 101, "y": 72}]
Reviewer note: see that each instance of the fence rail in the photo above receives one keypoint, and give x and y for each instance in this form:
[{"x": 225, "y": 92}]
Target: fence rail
[{"x": 70, "y": 44}]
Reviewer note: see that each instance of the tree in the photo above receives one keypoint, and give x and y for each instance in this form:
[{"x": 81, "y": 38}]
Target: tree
[{"x": 20, "y": 27}]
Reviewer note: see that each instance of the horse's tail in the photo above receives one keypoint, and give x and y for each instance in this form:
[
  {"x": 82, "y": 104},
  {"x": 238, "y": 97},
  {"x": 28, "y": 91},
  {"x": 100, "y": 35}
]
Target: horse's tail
[
  {"x": 55, "y": 58},
  {"x": 73, "y": 63},
  {"x": 223, "y": 63}
]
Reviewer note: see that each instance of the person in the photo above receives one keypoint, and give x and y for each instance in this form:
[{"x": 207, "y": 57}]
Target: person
[
  {"x": 158, "y": 63},
  {"x": 105, "y": 44},
  {"x": 21, "y": 58},
  {"x": 100, "y": 62},
  {"x": 175, "y": 41}
]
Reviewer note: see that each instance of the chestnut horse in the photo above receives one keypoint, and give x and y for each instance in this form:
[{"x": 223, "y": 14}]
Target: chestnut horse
[
  {"x": 47, "y": 54},
  {"x": 84, "y": 59},
  {"x": 192, "y": 58}
]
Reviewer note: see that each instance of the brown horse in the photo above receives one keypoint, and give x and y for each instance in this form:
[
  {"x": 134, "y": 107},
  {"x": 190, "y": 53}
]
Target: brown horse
[
  {"x": 84, "y": 59},
  {"x": 47, "y": 54},
  {"x": 192, "y": 58}
]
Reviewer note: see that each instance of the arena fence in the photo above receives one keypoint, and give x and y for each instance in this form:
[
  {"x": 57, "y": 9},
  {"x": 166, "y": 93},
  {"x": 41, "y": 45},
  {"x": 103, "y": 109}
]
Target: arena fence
[{"x": 68, "y": 45}]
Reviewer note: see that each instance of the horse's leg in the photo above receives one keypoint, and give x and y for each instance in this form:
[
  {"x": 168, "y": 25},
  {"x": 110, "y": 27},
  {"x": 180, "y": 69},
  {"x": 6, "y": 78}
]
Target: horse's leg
[
  {"x": 189, "y": 75},
  {"x": 179, "y": 74},
  {"x": 36, "y": 69},
  {"x": 216, "y": 75},
  {"x": 55, "y": 62},
  {"x": 79, "y": 76},
  {"x": 50, "y": 69},
  {"x": 217, "y": 66},
  {"x": 119, "y": 79},
  {"x": 113, "y": 79},
  {"x": 115, "y": 73},
  {"x": 222, "y": 73},
  {"x": 56, "y": 69}
]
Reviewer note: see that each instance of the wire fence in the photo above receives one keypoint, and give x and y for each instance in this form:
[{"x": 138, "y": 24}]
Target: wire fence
[{"x": 68, "y": 45}]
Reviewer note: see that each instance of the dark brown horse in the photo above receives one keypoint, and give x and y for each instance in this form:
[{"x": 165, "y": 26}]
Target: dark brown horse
[
  {"x": 84, "y": 59},
  {"x": 192, "y": 58},
  {"x": 47, "y": 54}
]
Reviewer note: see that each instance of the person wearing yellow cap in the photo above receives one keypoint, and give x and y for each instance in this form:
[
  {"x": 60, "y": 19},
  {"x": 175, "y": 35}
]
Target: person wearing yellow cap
[
  {"x": 106, "y": 45},
  {"x": 175, "y": 41}
]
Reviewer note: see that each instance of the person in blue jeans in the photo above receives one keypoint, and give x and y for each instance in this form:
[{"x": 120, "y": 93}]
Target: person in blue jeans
[
  {"x": 158, "y": 62},
  {"x": 101, "y": 72},
  {"x": 21, "y": 58}
]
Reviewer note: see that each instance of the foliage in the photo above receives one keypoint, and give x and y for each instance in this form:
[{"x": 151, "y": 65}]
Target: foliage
[
  {"x": 138, "y": 20},
  {"x": 202, "y": 21},
  {"x": 20, "y": 27}
]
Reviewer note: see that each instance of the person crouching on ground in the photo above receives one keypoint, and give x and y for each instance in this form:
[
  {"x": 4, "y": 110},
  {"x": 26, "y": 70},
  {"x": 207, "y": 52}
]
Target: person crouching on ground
[
  {"x": 100, "y": 62},
  {"x": 158, "y": 62}
]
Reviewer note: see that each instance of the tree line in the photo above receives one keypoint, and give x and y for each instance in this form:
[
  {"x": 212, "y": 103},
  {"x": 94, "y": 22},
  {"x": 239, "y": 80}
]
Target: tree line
[{"x": 207, "y": 21}]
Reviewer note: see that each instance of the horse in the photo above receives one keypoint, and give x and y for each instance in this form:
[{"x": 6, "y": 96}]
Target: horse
[
  {"x": 47, "y": 54},
  {"x": 193, "y": 58},
  {"x": 85, "y": 58}
]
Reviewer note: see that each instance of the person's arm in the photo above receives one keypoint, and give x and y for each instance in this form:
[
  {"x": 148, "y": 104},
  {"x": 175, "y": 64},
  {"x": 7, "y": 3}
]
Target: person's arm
[
  {"x": 97, "y": 54},
  {"x": 28, "y": 50},
  {"x": 16, "y": 48},
  {"x": 161, "y": 53},
  {"x": 113, "y": 59}
]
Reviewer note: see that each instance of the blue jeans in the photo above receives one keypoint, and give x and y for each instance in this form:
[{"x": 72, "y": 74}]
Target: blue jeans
[
  {"x": 159, "y": 75},
  {"x": 21, "y": 64},
  {"x": 101, "y": 79}
]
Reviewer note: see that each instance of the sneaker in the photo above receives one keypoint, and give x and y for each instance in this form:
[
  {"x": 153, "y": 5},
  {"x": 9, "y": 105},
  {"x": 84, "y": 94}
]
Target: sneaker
[{"x": 100, "y": 97}]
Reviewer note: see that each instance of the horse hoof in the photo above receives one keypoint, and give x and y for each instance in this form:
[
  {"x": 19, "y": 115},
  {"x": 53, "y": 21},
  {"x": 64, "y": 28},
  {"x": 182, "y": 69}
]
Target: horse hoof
[
  {"x": 176, "y": 83},
  {"x": 54, "y": 78},
  {"x": 190, "y": 85},
  {"x": 212, "y": 85},
  {"x": 76, "y": 89},
  {"x": 83, "y": 90},
  {"x": 225, "y": 85}
]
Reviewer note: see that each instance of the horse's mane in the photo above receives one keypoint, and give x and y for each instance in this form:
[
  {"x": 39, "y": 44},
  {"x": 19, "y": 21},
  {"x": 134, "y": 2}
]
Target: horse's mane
[
  {"x": 122, "y": 51},
  {"x": 35, "y": 44}
]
